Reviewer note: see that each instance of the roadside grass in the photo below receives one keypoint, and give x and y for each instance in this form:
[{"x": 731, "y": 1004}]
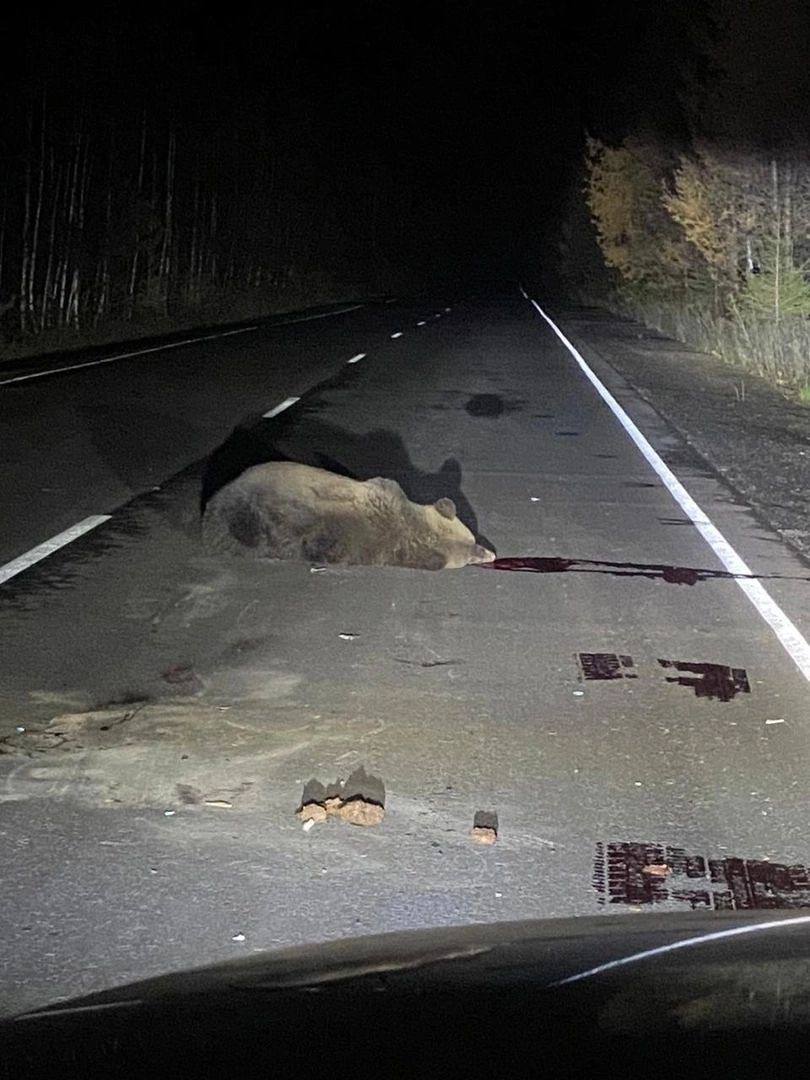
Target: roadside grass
[{"x": 779, "y": 351}]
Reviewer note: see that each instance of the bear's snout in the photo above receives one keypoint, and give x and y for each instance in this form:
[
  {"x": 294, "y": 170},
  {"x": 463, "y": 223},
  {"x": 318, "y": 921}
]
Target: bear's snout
[{"x": 482, "y": 555}]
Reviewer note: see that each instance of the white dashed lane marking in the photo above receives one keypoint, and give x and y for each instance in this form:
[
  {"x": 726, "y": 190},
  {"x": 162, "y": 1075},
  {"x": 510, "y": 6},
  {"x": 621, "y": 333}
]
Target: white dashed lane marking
[
  {"x": 285, "y": 404},
  {"x": 789, "y": 636},
  {"x": 43, "y": 550}
]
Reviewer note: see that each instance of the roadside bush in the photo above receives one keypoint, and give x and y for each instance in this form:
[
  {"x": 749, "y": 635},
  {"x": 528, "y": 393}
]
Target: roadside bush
[{"x": 712, "y": 248}]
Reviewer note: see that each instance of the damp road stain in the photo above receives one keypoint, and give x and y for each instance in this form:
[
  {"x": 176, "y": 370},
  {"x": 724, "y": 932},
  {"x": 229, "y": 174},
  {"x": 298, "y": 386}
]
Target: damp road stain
[
  {"x": 601, "y": 666},
  {"x": 708, "y": 680},
  {"x": 648, "y": 873}
]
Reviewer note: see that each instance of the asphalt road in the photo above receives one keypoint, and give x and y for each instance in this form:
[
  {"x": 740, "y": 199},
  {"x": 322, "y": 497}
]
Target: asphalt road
[{"x": 151, "y": 827}]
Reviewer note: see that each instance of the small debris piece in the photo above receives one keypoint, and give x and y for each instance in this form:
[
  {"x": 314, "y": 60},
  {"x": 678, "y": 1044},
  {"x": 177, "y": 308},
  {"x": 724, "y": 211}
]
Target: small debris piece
[
  {"x": 359, "y": 800},
  {"x": 348, "y": 637},
  {"x": 355, "y": 811},
  {"x": 656, "y": 870},
  {"x": 485, "y": 827},
  {"x": 309, "y": 824},
  {"x": 20, "y": 728},
  {"x": 781, "y": 720},
  {"x": 169, "y": 813},
  {"x": 223, "y": 803},
  {"x": 360, "y": 812},
  {"x": 484, "y": 836},
  {"x": 316, "y": 569},
  {"x": 238, "y": 937}
]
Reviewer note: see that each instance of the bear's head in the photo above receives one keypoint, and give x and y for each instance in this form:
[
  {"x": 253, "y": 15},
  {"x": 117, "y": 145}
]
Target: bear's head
[
  {"x": 455, "y": 542},
  {"x": 440, "y": 540}
]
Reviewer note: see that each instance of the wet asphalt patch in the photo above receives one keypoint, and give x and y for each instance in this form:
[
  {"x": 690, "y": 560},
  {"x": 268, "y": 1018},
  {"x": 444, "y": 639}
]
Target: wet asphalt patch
[
  {"x": 709, "y": 680},
  {"x": 601, "y": 666},
  {"x": 643, "y": 874}
]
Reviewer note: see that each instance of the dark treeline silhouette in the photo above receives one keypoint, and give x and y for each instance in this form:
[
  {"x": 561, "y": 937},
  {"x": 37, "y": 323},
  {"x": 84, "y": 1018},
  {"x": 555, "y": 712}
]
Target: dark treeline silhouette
[{"x": 151, "y": 170}]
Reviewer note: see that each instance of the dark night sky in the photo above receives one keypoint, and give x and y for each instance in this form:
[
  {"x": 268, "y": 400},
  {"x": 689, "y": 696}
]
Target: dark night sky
[{"x": 475, "y": 111}]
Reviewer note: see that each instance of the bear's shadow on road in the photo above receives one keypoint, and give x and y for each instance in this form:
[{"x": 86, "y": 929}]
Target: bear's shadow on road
[{"x": 308, "y": 440}]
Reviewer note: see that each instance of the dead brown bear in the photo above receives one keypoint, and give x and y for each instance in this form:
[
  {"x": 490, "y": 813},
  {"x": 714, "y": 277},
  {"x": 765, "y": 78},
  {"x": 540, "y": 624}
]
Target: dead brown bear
[{"x": 282, "y": 510}]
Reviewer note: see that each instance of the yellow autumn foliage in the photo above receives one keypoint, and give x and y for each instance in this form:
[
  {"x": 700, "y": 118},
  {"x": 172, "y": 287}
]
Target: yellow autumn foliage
[
  {"x": 636, "y": 235},
  {"x": 696, "y": 205}
]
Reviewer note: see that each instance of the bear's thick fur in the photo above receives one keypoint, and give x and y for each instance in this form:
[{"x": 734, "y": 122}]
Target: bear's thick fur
[{"x": 282, "y": 510}]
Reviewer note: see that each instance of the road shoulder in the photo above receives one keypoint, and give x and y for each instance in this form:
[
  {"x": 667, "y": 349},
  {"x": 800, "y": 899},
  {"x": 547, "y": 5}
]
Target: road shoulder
[{"x": 745, "y": 429}]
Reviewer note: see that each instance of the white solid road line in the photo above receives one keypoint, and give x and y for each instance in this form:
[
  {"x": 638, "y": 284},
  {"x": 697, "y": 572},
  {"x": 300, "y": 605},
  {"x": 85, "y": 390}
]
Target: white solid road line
[
  {"x": 790, "y": 637},
  {"x": 285, "y": 404},
  {"x": 323, "y": 315},
  {"x": 173, "y": 345},
  {"x": 41, "y": 551},
  {"x": 126, "y": 355}
]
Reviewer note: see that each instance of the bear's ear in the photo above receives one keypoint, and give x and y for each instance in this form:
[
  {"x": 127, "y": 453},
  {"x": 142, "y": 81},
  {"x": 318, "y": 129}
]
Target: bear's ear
[
  {"x": 451, "y": 470},
  {"x": 446, "y": 507}
]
